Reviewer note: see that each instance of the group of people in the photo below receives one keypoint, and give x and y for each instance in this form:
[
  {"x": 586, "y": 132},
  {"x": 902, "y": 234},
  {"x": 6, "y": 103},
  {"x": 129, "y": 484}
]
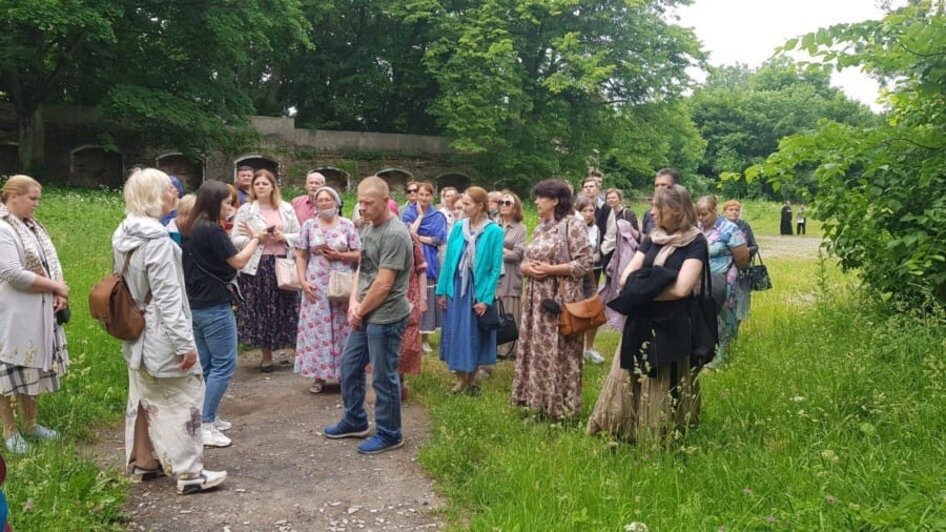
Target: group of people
[
  {"x": 204, "y": 269},
  {"x": 785, "y": 222}
]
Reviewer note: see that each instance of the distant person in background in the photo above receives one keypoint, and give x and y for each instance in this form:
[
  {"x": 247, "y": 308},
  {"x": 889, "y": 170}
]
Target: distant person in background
[
  {"x": 33, "y": 354},
  {"x": 410, "y": 190},
  {"x": 268, "y": 318},
  {"x": 230, "y": 209},
  {"x": 732, "y": 210},
  {"x": 409, "y": 362},
  {"x": 430, "y": 226},
  {"x": 179, "y": 187},
  {"x": 727, "y": 255},
  {"x": 615, "y": 199},
  {"x": 603, "y": 220},
  {"x": 448, "y": 196},
  {"x": 495, "y": 197},
  {"x": 467, "y": 289},
  {"x": 458, "y": 208},
  {"x": 663, "y": 179},
  {"x": 589, "y": 286},
  {"x": 242, "y": 182},
  {"x": 305, "y": 205},
  {"x": 800, "y": 220},
  {"x": 184, "y": 208},
  {"x": 785, "y": 225},
  {"x": 514, "y": 249}
]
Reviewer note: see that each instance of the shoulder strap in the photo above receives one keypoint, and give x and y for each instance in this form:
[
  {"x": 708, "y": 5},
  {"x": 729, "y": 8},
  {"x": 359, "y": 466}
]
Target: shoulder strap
[{"x": 125, "y": 272}]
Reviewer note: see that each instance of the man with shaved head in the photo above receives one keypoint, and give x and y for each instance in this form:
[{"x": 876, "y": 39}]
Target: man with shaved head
[{"x": 377, "y": 312}]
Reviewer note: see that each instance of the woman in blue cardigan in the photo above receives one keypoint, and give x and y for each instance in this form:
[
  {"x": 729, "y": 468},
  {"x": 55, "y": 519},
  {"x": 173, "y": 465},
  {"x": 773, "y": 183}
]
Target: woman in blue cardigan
[{"x": 466, "y": 289}]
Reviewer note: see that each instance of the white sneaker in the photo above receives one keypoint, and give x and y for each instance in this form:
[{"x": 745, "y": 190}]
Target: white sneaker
[
  {"x": 16, "y": 444},
  {"x": 222, "y": 425},
  {"x": 593, "y": 356},
  {"x": 44, "y": 433},
  {"x": 213, "y": 437},
  {"x": 206, "y": 481}
]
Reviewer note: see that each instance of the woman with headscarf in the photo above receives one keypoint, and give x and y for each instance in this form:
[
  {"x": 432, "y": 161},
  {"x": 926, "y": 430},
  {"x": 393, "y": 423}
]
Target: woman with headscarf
[
  {"x": 33, "y": 355},
  {"x": 327, "y": 242}
]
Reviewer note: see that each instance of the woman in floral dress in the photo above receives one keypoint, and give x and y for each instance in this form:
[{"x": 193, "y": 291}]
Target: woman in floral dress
[
  {"x": 410, "y": 361},
  {"x": 728, "y": 253},
  {"x": 548, "y": 365},
  {"x": 327, "y": 242}
]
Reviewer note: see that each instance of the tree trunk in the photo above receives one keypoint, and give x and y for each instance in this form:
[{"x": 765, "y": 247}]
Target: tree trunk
[{"x": 32, "y": 136}]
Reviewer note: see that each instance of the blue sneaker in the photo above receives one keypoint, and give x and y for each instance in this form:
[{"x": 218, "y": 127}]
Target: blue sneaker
[
  {"x": 378, "y": 444},
  {"x": 344, "y": 430}
]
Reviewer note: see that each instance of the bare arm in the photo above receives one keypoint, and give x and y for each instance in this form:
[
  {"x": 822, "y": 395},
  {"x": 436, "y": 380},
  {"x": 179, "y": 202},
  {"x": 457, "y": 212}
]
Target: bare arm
[
  {"x": 242, "y": 257},
  {"x": 637, "y": 262}
]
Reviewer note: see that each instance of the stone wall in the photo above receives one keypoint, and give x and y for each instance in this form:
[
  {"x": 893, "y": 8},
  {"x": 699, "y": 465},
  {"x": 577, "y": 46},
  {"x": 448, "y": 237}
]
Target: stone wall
[{"x": 76, "y": 153}]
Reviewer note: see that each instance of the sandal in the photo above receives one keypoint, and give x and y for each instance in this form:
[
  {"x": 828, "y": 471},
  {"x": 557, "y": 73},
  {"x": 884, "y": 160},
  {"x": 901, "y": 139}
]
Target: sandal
[
  {"x": 140, "y": 474},
  {"x": 316, "y": 387}
]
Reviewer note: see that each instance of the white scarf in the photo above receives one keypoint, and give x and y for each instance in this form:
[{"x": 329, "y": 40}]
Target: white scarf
[
  {"x": 37, "y": 258},
  {"x": 468, "y": 258}
]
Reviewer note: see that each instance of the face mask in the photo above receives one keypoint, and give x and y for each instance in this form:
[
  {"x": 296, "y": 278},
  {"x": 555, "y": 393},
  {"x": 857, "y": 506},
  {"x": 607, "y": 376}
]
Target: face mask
[{"x": 327, "y": 213}]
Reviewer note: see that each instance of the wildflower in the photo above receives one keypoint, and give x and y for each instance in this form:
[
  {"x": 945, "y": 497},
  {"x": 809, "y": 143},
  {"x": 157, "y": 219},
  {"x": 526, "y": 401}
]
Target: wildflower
[
  {"x": 830, "y": 499},
  {"x": 746, "y": 491},
  {"x": 829, "y": 455},
  {"x": 798, "y": 398},
  {"x": 770, "y": 519},
  {"x": 636, "y": 526}
]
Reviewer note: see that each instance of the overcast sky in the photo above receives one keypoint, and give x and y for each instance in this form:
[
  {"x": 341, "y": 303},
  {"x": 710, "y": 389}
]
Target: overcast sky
[{"x": 748, "y": 31}]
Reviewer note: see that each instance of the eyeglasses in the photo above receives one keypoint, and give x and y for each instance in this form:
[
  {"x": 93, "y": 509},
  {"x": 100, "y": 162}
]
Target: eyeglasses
[
  {"x": 412, "y": 191},
  {"x": 507, "y": 203}
]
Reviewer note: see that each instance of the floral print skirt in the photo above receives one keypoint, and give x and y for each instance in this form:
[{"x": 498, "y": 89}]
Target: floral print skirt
[{"x": 268, "y": 317}]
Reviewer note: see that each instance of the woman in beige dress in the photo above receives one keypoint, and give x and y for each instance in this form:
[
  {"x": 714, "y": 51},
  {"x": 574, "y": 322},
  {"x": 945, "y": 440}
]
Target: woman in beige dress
[{"x": 514, "y": 249}]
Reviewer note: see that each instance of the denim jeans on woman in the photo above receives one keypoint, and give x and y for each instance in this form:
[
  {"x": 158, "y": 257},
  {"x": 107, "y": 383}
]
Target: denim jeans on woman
[
  {"x": 379, "y": 345},
  {"x": 215, "y": 332}
]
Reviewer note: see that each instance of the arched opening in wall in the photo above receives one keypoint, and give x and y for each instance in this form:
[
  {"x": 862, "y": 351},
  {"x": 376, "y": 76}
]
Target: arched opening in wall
[
  {"x": 335, "y": 177},
  {"x": 94, "y": 166},
  {"x": 257, "y": 162},
  {"x": 395, "y": 177},
  {"x": 458, "y": 181},
  {"x": 9, "y": 158},
  {"x": 191, "y": 173}
]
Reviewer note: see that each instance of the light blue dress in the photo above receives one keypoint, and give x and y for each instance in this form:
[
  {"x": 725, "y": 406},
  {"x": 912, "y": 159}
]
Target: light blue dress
[{"x": 463, "y": 346}]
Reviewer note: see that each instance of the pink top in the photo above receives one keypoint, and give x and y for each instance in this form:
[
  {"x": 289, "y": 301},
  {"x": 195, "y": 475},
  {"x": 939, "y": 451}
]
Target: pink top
[
  {"x": 272, "y": 218},
  {"x": 304, "y": 208}
]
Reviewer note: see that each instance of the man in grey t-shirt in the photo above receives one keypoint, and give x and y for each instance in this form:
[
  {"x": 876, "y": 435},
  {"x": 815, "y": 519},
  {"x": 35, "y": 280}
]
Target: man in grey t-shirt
[{"x": 377, "y": 313}]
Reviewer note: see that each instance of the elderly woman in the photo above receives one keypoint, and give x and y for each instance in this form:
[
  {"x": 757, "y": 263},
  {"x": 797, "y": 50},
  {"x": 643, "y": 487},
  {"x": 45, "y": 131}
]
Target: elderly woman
[
  {"x": 728, "y": 254},
  {"x": 33, "y": 354},
  {"x": 165, "y": 388},
  {"x": 467, "y": 288},
  {"x": 210, "y": 266},
  {"x": 326, "y": 243},
  {"x": 514, "y": 248},
  {"x": 269, "y": 317},
  {"x": 661, "y": 394},
  {"x": 548, "y": 364},
  {"x": 732, "y": 210},
  {"x": 430, "y": 226}
]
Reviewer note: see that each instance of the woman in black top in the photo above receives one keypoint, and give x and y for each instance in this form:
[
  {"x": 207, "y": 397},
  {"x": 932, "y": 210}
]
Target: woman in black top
[
  {"x": 785, "y": 227},
  {"x": 210, "y": 265},
  {"x": 656, "y": 345}
]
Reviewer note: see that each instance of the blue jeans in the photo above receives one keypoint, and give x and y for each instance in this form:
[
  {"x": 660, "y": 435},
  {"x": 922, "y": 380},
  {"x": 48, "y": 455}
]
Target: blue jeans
[
  {"x": 380, "y": 345},
  {"x": 215, "y": 333}
]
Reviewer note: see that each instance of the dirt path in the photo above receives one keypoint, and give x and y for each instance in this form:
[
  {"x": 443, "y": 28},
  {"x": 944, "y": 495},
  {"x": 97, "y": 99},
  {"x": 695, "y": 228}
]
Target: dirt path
[{"x": 283, "y": 474}]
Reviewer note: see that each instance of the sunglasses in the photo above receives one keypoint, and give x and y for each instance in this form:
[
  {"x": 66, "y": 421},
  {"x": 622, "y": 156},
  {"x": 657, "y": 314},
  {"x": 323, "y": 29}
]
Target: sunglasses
[
  {"x": 507, "y": 203},
  {"x": 412, "y": 191}
]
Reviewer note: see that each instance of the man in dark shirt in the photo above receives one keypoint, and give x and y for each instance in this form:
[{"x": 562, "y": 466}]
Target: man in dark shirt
[
  {"x": 377, "y": 313},
  {"x": 243, "y": 181}
]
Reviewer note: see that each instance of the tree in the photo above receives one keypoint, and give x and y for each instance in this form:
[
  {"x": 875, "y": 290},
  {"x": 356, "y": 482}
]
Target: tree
[
  {"x": 535, "y": 87},
  {"x": 742, "y": 114},
  {"x": 881, "y": 186},
  {"x": 40, "y": 42},
  {"x": 178, "y": 73}
]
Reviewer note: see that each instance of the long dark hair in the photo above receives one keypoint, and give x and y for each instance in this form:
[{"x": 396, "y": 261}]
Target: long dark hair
[
  {"x": 207, "y": 205},
  {"x": 555, "y": 189}
]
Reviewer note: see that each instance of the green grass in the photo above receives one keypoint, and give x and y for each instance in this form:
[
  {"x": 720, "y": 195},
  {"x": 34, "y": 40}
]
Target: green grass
[{"x": 827, "y": 417}]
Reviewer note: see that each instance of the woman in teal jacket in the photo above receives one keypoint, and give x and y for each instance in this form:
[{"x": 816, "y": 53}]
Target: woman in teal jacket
[{"x": 466, "y": 289}]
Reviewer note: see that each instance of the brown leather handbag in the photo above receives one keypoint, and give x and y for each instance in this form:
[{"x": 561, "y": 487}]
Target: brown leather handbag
[
  {"x": 111, "y": 304},
  {"x": 582, "y": 315}
]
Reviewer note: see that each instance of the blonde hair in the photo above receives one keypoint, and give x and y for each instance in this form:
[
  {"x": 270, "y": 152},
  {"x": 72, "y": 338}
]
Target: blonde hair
[
  {"x": 516, "y": 204},
  {"x": 275, "y": 197},
  {"x": 708, "y": 202},
  {"x": 731, "y": 203},
  {"x": 18, "y": 185},
  {"x": 614, "y": 191},
  {"x": 144, "y": 192},
  {"x": 676, "y": 199}
]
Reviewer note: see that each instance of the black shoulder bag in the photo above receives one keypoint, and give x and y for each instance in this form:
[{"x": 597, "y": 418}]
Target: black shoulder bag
[{"x": 704, "y": 321}]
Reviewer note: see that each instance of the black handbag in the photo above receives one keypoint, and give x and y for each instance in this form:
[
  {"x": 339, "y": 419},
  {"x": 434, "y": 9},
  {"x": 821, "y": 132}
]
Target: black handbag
[
  {"x": 704, "y": 322},
  {"x": 759, "y": 279},
  {"x": 63, "y": 315},
  {"x": 496, "y": 319}
]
